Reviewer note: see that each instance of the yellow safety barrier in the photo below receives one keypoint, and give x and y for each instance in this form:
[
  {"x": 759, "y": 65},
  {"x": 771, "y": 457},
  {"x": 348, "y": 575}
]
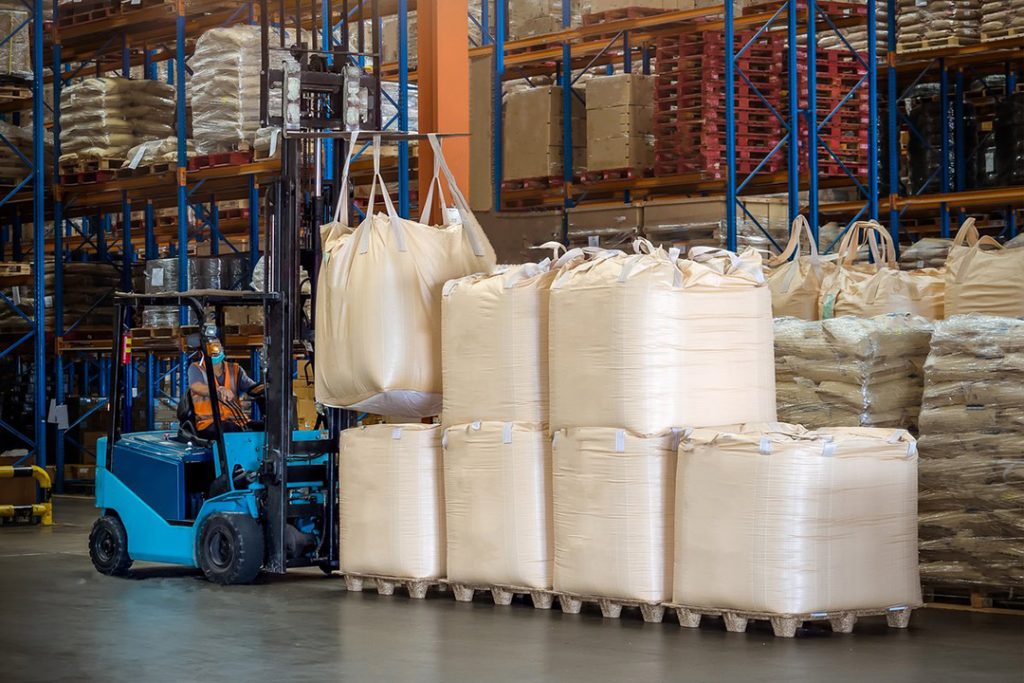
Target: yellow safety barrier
[{"x": 42, "y": 510}]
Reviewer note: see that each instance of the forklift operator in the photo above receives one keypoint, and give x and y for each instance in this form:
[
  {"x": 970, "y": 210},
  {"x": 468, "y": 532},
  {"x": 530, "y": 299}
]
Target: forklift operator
[{"x": 232, "y": 382}]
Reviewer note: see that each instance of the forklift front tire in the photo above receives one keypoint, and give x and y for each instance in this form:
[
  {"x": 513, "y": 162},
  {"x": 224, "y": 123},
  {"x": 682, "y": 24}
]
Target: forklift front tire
[
  {"x": 108, "y": 546},
  {"x": 230, "y": 548}
]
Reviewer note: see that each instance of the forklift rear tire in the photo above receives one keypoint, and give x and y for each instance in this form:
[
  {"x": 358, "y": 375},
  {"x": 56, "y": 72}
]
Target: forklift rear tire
[
  {"x": 230, "y": 548},
  {"x": 108, "y": 546}
]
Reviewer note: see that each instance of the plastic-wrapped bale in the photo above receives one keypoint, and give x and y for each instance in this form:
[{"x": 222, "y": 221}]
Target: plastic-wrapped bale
[
  {"x": 649, "y": 341},
  {"x": 497, "y": 489},
  {"x": 972, "y": 455},
  {"x": 1001, "y": 18},
  {"x": 161, "y": 277},
  {"x": 15, "y": 55},
  {"x": 536, "y": 17},
  {"x": 779, "y": 520},
  {"x": 494, "y": 344},
  {"x": 851, "y": 371},
  {"x": 162, "y": 151},
  {"x": 613, "y": 496},
  {"x": 922, "y": 24},
  {"x": 930, "y": 252},
  {"x": 391, "y": 501},
  {"x": 105, "y": 117}
]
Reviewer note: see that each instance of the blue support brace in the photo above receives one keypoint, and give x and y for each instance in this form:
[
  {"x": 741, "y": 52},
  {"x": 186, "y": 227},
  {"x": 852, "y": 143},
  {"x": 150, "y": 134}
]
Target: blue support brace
[
  {"x": 873, "y": 109},
  {"x": 793, "y": 159},
  {"x": 730, "y": 128},
  {"x": 497, "y": 126},
  {"x": 812, "y": 117}
]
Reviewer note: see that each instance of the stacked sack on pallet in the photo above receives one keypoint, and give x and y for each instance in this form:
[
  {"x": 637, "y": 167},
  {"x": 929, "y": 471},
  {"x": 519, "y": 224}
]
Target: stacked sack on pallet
[
  {"x": 103, "y": 118},
  {"x": 15, "y": 54},
  {"x": 162, "y": 151},
  {"x": 378, "y": 317},
  {"x": 856, "y": 36},
  {"x": 851, "y": 371},
  {"x": 972, "y": 454},
  {"x": 1001, "y": 18},
  {"x": 929, "y": 252},
  {"x": 922, "y": 24},
  {"x": 641, "y": 344}
]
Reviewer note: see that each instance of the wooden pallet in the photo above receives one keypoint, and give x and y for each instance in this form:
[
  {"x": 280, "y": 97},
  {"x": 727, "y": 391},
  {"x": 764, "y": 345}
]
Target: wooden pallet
[
  {"x": 615, "y": 174},
  {"x": 155, "y": 332},
  {"x": 234, "y": 158},
  {"x": 611, "y": 608},
  {"x": 533, "y": 183},
  {"x": 502, "y": 595},
  {"x": 786, "y": 625},
  {"x": 416, "y": 588},
  {"x": 904, "y": 47},
  {"x": 1002, "y": 34},
  {"x": 982, "y": 597}
]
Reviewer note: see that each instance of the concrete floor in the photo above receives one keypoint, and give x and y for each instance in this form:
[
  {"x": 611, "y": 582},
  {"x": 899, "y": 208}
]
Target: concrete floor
[{"x": 60, "y": 620}]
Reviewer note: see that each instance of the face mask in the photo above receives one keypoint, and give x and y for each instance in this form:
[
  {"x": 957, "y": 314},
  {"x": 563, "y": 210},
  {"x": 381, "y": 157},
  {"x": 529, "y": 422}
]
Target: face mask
[{"x": 217, "y": 356}]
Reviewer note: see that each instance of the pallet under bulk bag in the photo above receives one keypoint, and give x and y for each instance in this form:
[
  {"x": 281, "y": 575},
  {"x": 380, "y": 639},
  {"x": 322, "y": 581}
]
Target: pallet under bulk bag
[
  {"x": 497, "y": 487},
  {"x": 983, "y": 277},
  {"x": 613, "y": 494},
  {"x": 391, "y": 501},
  {"x": 378, "y": 313},
  {"x": 649, "y": 341},
  {"x": 494, "y": 348},
  {"x": 796, "y": 282},
  {"x": 780, "y": 520},
  {"x": 866, "y": 290}
]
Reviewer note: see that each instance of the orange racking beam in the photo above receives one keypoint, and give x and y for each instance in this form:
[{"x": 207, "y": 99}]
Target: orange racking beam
[{"x": 444, "y": 84}]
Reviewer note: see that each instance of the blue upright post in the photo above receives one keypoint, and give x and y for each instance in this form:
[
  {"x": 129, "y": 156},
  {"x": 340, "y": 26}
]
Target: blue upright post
[
  {"x": 126, "y": 243},
  {"x": 58, "y": 260},
  {"x": 403, "y": 107},
  {"x": 38, "y": 235},
  {"x": 485, "y": 22},
  {"x": 327, "y": 39},
  {"x": 944, "y": 174},
  {"x": 730, "y": 128},
  {"x": 793, "y": 180},
  {"x": 497, "y": 126},
  {"x": 873, "y": 109},
  {"x": 214, "y": 228},
  {"x": 151, "y": 249},
  {"x": 16, "y": 245},
  {"x": 254, "y": 224},
  {"x": 179, "y": 63},
  {"x": 812, "y": 116},
  {"x": 150, "y": 392},
  {"x": 892, "y": 116},
  {"x": 567, "y": 165},
  {"x": 959, "y": 138}
]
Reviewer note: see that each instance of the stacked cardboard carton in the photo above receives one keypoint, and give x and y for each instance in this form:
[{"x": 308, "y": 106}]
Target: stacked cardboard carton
[
  {"x": 619, "y": 115},
  {"x": 533, "y": 132}
]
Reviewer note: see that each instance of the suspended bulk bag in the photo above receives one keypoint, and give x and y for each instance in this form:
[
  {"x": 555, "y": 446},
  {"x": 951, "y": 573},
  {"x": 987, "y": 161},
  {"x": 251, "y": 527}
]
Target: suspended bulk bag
[
  {"x": 613, "y": 494},
  {"x": 648, "y": 341},
  {"x": 778, "y": 519},
  {"x": 494, "y": 349},
  {"x": 796, "y": 282},
  {"x": 868, "y": 290},
  {"x": 378, "y": 314},
  {"x": 497, "y": 488},
  {"x": 391, "y": 501},
  {"x": 983, "y": 277}
]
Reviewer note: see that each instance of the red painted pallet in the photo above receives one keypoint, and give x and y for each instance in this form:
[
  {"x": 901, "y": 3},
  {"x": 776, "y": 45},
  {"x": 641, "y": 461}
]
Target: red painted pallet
[
  {"x": 219, "y": 159},
  {"x": 532, "y": 183},
  {"x": 614, "y": 174}
]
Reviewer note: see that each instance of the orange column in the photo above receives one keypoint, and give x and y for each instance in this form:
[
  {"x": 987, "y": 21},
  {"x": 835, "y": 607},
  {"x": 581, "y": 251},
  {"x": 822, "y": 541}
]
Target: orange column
[{"x": 443, "y": 80}]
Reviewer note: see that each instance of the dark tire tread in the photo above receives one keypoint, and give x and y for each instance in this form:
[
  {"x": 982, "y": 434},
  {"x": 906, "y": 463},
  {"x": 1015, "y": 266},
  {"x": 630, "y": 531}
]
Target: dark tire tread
[
  {"x": 109, "y": 527},
  {"x": 245, "y": 537}
]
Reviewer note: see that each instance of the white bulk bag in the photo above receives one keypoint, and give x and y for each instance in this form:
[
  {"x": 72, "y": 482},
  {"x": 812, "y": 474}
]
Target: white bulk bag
[
  {"x": 796, "y": 282},
  {"x": 391, "y": 498},
  {"x": 983, "y": 276},
  {"x": 497, "y": 488},
  {"x": 378, "y": 313},
  {"x": 648, "y": 341},
  {"x": 494, "y": 350},
  {"x": 778, "y": 519},
  {"x": 613, "y": 494}
]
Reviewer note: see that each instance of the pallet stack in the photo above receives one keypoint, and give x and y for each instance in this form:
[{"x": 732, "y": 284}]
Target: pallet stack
[
  {"x": 689, "y": 118},
  {"x": 1001, "y": 19}
]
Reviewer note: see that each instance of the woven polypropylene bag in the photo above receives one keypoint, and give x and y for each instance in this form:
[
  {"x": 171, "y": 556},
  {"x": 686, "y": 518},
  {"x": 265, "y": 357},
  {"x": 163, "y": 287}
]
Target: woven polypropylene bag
[
  {"x": 796, "y": 282},
  {"x": 983, "y": 277}
]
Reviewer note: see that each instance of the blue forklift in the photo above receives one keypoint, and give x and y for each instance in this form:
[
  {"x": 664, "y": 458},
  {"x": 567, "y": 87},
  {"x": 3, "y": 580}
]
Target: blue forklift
[{"x": 233, "y": 504}]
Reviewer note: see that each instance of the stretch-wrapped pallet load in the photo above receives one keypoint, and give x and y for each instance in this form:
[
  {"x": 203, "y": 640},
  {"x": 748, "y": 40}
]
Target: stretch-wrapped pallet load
[
  {"x": 162, "y": 151},
  {"x": 15, "y": 55},
  {"x": 851, "y": 371},
  {"x": 103, "y": 118},
  {"x": 928, "y": 252},
  {"x": 162, "y": 277},
  {"x": 533, "y": 132},
  {"x": 972, "y": 455},
  {"x": 923, "y": 24},
  {"x": 497, "y": 500},
  {"x": 856, "y": 35},
  {"x": 649, "y": 341},
  {"x": 1001, "y": 19},
  {"x": 613, "y": 497},
  {"x": 620, "y": 112},
  {"x": 391, "y": 501},
  {"x": 777, "y": 520}
]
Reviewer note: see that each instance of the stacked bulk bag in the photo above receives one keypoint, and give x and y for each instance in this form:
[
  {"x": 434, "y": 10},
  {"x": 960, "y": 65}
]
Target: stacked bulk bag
[
  {"x": 780, "y": 520},
  {"x": 983, "y": 277},
  {"x": 613, "y": 494},
  {"x": 851, "y": 371},
  {"x": 870, "y": 290},
  {"x": 497, "y": 487},
  {"x": 391, "y": 501},
  {"x": 796, "y": 282},
  {"x": 378, "y": 313},
  {"x": 648, "y": 341}
]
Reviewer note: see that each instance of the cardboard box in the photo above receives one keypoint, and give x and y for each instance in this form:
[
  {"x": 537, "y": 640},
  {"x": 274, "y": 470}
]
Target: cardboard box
[
  {"x": 514, "y": 235},
  {"x": 533, "y": 133},
  {"x": 620, "y": 114},
  {"x": 537, "y": 17}
]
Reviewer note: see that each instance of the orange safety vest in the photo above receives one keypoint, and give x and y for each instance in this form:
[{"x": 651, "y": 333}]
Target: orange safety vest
[{"x": 229, "y": 412}]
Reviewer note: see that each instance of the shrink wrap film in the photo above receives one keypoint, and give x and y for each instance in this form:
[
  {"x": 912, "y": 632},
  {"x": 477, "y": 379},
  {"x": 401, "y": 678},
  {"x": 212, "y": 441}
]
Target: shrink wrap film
[
  {"x": 868, "y": 290},
  {"x": 924, "y": 23},
  {"x": 983, "y": 277},
  {"x": 796, "y": 283},
  {"x": 851, "y": 371},
  {"x": 105, "y": 117},
  {"x": 1001, "y": 18},
  {"x": 15, "y": 54},
  {"x": 648, "y": 341},
  {"x": 497, "y": 488},
  {"x": 494, "y": 349},
  {"x": 972, "y": 455},
  {"x": 391, "y": 501},
  {"x": 378, "y": 311},
  {"x": 164, "y": 150},
  {"x": 778, "y": 519},
  {"x": 613, "y": 494},
  {"x": 930, "y": 252}
]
